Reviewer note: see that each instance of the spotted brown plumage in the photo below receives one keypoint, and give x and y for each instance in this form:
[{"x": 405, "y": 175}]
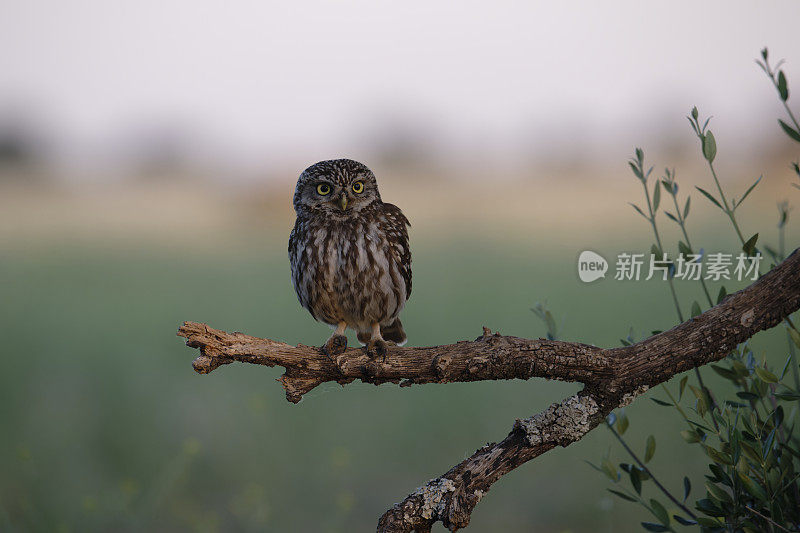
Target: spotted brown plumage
[{"x": 349, "y": 254}]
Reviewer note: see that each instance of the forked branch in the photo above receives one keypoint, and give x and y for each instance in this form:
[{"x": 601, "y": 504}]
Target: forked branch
[{"x": 612, "y": 378}]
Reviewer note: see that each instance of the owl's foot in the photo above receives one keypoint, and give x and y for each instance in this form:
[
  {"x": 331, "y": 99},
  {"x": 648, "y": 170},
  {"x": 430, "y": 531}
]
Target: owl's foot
[
  {"x": 377, "y": 348},
  {"x": 336, "y": 345}
]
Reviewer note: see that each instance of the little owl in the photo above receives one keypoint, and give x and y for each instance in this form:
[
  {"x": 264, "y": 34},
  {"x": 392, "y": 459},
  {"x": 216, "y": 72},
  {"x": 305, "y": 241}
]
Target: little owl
[{"x": 351, "y": 264}]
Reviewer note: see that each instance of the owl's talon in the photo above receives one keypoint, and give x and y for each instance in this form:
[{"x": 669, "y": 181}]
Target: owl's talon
[
  {"x": 377, "y": 348},
  {"x": 336, "y": 345}
]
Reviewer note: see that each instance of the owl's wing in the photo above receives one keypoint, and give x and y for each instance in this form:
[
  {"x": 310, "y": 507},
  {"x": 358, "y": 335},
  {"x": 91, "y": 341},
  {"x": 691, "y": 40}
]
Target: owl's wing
[
  {"x": 296, "y": 258},
  {"x": 293, "y": 236},
  {"x": 397, "y": 234}
]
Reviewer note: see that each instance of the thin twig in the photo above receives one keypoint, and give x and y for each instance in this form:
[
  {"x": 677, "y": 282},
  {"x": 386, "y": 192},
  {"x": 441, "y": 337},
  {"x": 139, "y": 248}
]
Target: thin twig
[
  {"x": 658, "y": 484},
  {"x": 768, "y": 519}
]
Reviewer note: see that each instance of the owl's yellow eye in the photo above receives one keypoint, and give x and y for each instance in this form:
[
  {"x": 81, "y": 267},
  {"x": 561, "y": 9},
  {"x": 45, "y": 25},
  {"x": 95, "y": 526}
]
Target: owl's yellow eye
[
  {"x": 323, "y": 189},
  {"x": 358, "y": 187}
]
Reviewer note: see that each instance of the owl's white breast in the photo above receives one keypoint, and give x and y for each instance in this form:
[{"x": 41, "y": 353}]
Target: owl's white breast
[{"x": 349, "y": 272}]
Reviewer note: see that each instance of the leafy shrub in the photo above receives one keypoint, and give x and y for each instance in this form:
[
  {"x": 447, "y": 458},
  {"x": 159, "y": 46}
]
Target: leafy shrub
[{"x": 750, "y": 438}]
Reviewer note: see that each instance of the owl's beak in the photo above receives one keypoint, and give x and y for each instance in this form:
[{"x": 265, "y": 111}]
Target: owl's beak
[{"x": 343, "y": 202}]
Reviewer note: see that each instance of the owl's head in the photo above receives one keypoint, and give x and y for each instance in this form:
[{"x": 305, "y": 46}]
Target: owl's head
[{"x": 338, "y": 187}]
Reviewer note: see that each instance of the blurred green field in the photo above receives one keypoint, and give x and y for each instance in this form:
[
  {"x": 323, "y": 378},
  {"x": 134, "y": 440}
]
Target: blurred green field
[{"x": 106, "y": 427}]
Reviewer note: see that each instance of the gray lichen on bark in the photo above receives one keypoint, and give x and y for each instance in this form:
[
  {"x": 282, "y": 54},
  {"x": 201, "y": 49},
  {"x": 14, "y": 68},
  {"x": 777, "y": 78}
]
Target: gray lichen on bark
[
  {"x": 563, "y": 422},
  {"x": 628, "y": 397},
  {"x": 433, "y": 497}
]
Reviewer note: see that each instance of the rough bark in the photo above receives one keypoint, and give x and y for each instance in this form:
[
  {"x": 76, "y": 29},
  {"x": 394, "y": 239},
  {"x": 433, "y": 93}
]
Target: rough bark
[{"x": 612, "y": 378}]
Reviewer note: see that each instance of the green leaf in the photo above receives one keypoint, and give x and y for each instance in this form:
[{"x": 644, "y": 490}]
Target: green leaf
[
  {"x": 753, "y": 487},
  {"x": 795, "y": 335},
  {"x": 684, "y": 380},
  {"x": 783, "y": 90},
  {"x": 718, "y": 456},
  {"x": 753, "y": 186},
  {"x": 609, "y": 470},
  {"x": 719, "y": 475},
  {"x": 684, "y": 248},
  {"x": 717, "y": 493},
  {"x": 622, "y": 424},
  {"x": 687, "y": 487},
  {"x": 549, "y": 321},
  {"x": 636, "y": 481},
  {"x": 686, "y": 207},
  {"x": 694, "y": 110},
  {"x": 742, "y": 466},
  {"x": 766, "y": 375},
  {"x": 750, "y": 452},
  {"x": 656, "y": 197},
  {"x": 709, "y": 147},
  {"x": 635, "y": 169},
  {"x": 683, "y": 521},
  {"x": 750, "y": 246},
  {"x": 777, "y": 416},
  {"x": 709, "y": 196},
  {"x": 701, "y": 406},
  {"x": 768, "y": 444},
  {"x": 697, "y": 392},
  {"x": 740, "y": 369},
  {"x": 694, "y": 124},
  {"x": 784, "y": 211},
  {"x": 696, "y": 309},
  {"x": 650, "y": 448},
  {"x": 621, "y": 495},
  {"x": 671, "y": 216},
  {"x": 661, "y": 402},
  {"x": 639, "y": 211},
  {"x": 710, "y": 522},
  {"x": 593, "y": 465},
  {"x": 650, "y": 526},
  {"x": 708, "y": 507},
  {"x": 690, "y": 436},
  {"x": 660, "y": 512},
  {"x": 794, "y": 134},
  {"x": 726, "y": 373},
  {"x": 656, "y": 251},
  {"x": 722, "y": 294},
  {"x": 788, "y": 396}
]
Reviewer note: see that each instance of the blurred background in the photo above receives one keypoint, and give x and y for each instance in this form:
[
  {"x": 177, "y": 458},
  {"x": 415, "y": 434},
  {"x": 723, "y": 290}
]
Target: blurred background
[{"x": 148, "y": 154}]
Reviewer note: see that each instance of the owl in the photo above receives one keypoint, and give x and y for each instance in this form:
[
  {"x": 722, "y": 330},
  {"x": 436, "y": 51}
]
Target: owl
[{"x": 349, "y": 255}]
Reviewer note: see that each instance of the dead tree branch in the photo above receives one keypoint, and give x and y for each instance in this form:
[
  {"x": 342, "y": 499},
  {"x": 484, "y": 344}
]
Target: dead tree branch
[{"x": 612, "y": 378}]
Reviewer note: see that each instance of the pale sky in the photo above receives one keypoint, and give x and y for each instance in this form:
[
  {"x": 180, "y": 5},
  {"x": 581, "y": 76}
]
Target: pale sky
[{"x": 263, "y": 81}]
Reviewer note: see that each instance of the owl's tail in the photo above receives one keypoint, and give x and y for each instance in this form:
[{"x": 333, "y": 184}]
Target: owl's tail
[{"x": 394, "y": 332}]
